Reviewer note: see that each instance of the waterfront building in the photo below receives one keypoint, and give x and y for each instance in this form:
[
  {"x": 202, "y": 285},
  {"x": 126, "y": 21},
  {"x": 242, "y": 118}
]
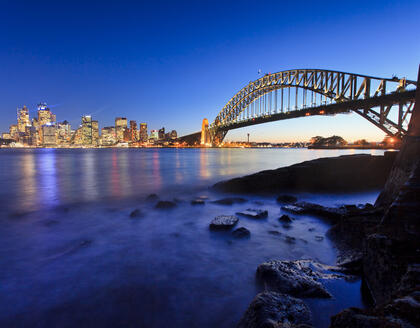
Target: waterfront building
[
  {"x": 134, "y": 136},
  {"x": 6, "y": 135},
  {"x": 63, "y": 133},
  {"x": 95, "y": 132},
  {"x": 205, "y": 133},
  {"x": 120, "y": 127},
  {"x": 143, "y": 132},
  {"x": 173, "y": 135},
  {"x": 13, "y": 131},
  {"x": 49, "y": 135},
  {"x": 161, "y": 134},
  {"x": 44, "y": 115},
  {"x": 86, "y": 130},
  {"x": 108, "y": 136},
  {"x": 23, "y": 119},
  {"x": 154, "y": 135}
]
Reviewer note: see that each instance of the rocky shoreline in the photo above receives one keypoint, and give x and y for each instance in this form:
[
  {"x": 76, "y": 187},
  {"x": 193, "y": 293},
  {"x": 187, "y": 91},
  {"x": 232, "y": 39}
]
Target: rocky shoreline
[{"x": 379, "y": 243}]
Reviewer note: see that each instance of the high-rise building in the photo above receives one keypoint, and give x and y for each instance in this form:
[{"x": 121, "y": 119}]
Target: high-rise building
[
  {"x": 95, "y": 132},
  {"x": 23, "y": 119},
  {"x": 154, "y": 134},
  {"x": 120, "y": 127},
  {"x": 13, "y": 131},
  {"x": 63, "y": 133},
  {"x": 44, "y": 115},
  {"x": 161, "y": 134},
  {"x": 49, "y": 135},
  {"x": 87, "y": 130},
  {"x": 133, "y": 131},
  {"x": 143, "y": 132},
  {"x": 108, "y": 136},
  {"x": 173, "y": 135}
]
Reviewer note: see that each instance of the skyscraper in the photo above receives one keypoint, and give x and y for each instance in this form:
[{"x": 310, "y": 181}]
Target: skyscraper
[
  {"x": 133, "y": 131},
  {"x": 161, "y": 134},
  {"x": 120, "y": 127},
  {"x": 143, "y": 132},
  {"x": 23, "y": 119}
]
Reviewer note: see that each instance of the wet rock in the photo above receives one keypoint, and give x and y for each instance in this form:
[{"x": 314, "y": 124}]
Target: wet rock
[
  {"x": 354, "y": 317},
  {"x": 285, "y": 218},
  {"x": 241, "y": 233},
  {"x": 223, "y": 222},
  {"x": 287, "y": 199},
  {"x": 197, "y": 202},
  {"x": 274, "y": 310},
  {"x": 293, "y": 209},
  {"x": 351, "y": 262},
  {"x": 319, "y": 238},
  {"x": 275, "y": 232},
  {"x": 230, "y": 201},
  {"x": 165, "y": 204},
  {"x": 290, "y": 239},
  {"x": 152, "y": 197},
  {"x": 298, "y": 278},
  {"x": 311, "y": 229},
  {"x": 255, "y": 214},
  {"x": 136, "y": 213},
  {"x": 316, "y": 209}
]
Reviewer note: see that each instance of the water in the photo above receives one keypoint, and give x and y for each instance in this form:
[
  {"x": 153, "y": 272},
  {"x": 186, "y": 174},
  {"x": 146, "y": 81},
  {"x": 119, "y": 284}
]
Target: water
[{"x": 70, "y": 255}]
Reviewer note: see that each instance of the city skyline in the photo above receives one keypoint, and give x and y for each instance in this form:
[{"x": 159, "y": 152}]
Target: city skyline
[{"x": 197, "y": 57}]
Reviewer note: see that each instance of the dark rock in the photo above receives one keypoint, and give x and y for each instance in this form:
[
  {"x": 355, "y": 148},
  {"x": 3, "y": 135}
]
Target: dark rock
[
  {"x": 293, "y": 209},
  {"x": 255, "y": 214},
  {"x": 136, "y": 213},
  {"x": 152, "y": 197},
  {"x": 287, "y": 199},
  {"x": 298, "y": 278},
  {"x": 230, "y": 201},
  {"x": 197, "y": 202},
  {"x": 275, "y": 232},
  {"x": 290, "y": 240},
  {"x": 241, "y": 233},
  {"x": 165, "y": 204},
  {"x": 274, "y": 310},
  {"x": 316, "y": 209},
  {"x": 285, "y": 218},
  {"x": 338, "y": 174},
  {"x": 354, "y": 317},
  {"x": 223, "y": 222},
  {"x": 311, "y": 229},
  {"x": 351, "y": 263},
  {"x": 319, "y": 238}
]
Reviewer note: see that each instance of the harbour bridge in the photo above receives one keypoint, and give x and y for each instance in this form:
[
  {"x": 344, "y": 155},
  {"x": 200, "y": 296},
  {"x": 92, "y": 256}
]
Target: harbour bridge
[{"x": 385, "y": 102}]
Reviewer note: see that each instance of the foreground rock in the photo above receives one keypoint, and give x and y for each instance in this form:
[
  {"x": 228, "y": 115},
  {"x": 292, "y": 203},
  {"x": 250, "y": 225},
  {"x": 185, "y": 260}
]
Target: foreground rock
[
  {"x": 223, "y": 222},
  {"x": 271, "y": 309},
  {"x": 254, "y": 214},
  {"x": 344, "y": 173},
  {"x": 298, "y": 278},
  {"x": 136, "y": 213},
  {"x": 241, "y": 233}
]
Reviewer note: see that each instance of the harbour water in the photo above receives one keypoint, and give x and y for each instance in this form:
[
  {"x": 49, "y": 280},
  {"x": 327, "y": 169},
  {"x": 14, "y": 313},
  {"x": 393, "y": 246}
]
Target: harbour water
[{"x": 71, "y": 255}]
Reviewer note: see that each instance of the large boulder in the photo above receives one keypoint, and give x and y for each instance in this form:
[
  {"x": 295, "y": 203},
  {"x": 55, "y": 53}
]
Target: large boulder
[
  {"x": 241, "y": 232},
  {"x": 299, "y": 278},
  {"x": 275, "y": 310},
  {"x": 254, "y": 213},
  {"x": 223, "y": 222}
]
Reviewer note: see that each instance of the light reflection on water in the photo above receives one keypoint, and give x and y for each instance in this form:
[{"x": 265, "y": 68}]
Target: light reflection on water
[{"x": 92, "y": 265}]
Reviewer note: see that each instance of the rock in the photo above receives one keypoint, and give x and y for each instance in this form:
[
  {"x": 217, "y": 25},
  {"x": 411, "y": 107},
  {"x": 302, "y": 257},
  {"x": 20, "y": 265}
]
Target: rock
[
  {"x": 165, "y": 204},
  {"x": 241, "y": 233},
  {"x": 285, "y": 218},
  {"x": 223, "y": 222},
  {"x": 293, "y": 209},
  {"x": 319, "y": 238},
  {"x": 197, "y": 202},
  {"x": 274, "y": 310},
  {"x": 348, "y": 173},
  {"x": 255, "y": 214},
  {"x": 230, "y": 201},
  {"x": 286, "y": 199},
  {"x": 316, "y": 209},
  {"x": 351, "y": 263},
  {"x": 152, "y": 197},
  {"x": 274, "y": 232},
  {"x": 136, "y": 213},
  {"x": 298, "y": 278},
  {"x": 311, "y": 229},
  {"x": 354, "y": 317},
  {"x": 290, "y": 240}
]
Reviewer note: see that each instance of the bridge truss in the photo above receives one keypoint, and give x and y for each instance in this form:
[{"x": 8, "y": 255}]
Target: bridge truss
[{"x": 385, "y": 102}]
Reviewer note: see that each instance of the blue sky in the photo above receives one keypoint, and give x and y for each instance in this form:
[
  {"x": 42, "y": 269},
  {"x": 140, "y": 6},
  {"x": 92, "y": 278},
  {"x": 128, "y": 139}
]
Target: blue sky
[{"x": 172, "y": 63}]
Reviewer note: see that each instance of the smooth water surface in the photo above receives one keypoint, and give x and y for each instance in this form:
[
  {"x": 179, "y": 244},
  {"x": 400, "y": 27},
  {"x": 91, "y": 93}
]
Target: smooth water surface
[{"x": 71, "y": 256}]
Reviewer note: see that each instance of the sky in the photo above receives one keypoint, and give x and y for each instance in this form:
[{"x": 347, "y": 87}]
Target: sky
[{"x": 173, "y": 63}]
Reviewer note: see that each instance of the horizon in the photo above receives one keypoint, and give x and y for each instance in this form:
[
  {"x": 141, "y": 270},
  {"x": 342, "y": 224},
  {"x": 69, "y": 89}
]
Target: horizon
[{"x": 183, "y": 65}]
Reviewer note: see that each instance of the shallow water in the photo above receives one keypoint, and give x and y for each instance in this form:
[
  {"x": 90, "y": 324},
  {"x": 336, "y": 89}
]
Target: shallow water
[{"x": 70, "y": 255}]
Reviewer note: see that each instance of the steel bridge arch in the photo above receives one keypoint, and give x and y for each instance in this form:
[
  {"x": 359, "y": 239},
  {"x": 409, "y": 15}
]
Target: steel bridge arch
[{"x": 344, "y": 92}]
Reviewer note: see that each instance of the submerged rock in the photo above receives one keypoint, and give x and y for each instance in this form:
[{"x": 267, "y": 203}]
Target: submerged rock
[
  {"x": 252, "y": 213},
  {"x": 290, "y": 239},
  {"x": 286, "y": 225},
  {"x": 223, "y": 222},
  {"x": 230, "y": 201},
  {"x": 285, "y": 218},
  {"x": 165, "y": 204},
  {"x": 136, "y": 213},
  {"x": 298, "y": 278},
  {"x": 241, "y": 233},
  {"x": 287, "y": 199},
  {"x": 275, "y": 232},
  {"x": 270, "y": 309}
]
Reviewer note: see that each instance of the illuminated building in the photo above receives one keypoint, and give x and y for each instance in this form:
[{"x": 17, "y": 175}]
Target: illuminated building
[
  {"x": 120, "y": 127},
  {"x": 44, "y": 115},
  {"x": 154, "y": 136},
  {"x": 90, "y": 131},
  {"x": 77, "y": 137},
  {"x": 143, "y": 132},
  {"x": 6, "y": 135},
  {"x": 108, "y": 136},
  {"x": 23, "y": 119},
  {"x": 161, "y": 134},
  {"x": 49, "y": 135},
  {"x": 205, "y": 134},
  {"x": 95, "y": 133},
  {"x": 13, "y": 131},
  {"x": 173, "y": 135},
  {"x": 133, "y": 131},
  {"x": 63, "y": 133}
]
